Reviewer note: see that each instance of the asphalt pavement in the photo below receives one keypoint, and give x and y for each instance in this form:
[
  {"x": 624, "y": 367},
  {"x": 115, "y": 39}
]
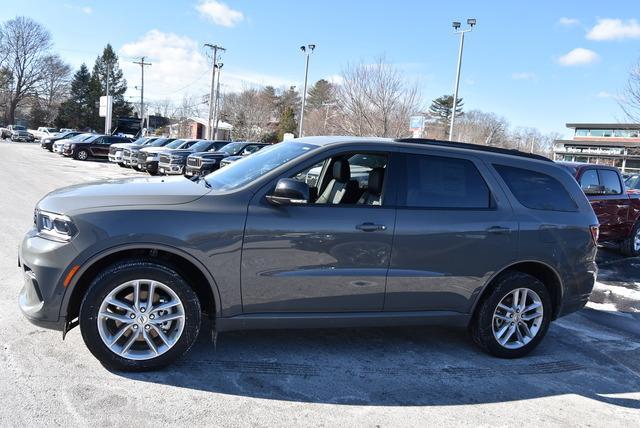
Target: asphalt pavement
[{"x": 586, "y": 371}]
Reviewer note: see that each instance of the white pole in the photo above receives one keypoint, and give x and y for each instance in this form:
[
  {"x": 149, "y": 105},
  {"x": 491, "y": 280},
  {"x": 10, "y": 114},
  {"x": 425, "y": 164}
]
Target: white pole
[
  {"x": 455, "y": 93},
  {"x": 304, "y": 96}
]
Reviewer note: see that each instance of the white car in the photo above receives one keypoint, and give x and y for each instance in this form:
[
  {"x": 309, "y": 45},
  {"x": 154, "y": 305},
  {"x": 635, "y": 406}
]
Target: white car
[
  {"x": 116, "y": 150},
  {"x": 58, "y": 146}
]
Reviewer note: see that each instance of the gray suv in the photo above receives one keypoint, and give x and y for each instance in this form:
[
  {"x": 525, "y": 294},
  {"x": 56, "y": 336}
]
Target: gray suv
[{"x": 494, "y": 240}]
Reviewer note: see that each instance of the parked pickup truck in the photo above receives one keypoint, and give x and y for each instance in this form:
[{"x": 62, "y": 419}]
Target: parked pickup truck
[
  {"x": 43, "y": 132},
  {"x": 618, "y": 211}
]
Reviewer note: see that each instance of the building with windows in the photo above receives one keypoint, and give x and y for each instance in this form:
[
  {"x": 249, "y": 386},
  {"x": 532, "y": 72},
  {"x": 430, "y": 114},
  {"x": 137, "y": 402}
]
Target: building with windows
[{"x": 615, "y": 144}]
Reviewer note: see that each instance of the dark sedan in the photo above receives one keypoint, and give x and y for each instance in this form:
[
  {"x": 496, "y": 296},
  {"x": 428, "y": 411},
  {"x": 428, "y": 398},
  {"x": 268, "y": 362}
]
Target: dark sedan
[
  {"x": 47, "y": 143},
  {"x": 20, "y": 135}
]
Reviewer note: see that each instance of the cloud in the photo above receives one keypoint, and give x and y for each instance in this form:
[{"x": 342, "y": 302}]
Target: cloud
[
  {"x": 614, "y": 29},
  {"x": 568, "y": 22},
  {"x": 180, "y": 67},
  {"x": 524, "y": 76},
  {"x": 88, "y": 10},
  {"x": 578, "y": 56},
  {"x": 605, "y": 94},
  {"x": 219, "y": 13}
]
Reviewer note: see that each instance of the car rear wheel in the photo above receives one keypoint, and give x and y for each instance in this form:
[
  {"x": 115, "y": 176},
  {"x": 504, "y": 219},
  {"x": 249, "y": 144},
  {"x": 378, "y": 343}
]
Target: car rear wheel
[
  {"x": 631, "y": 246},
  {"x": 82, "y": 155},
  {"x": 139, "y": 315},
  {"x": 122, "y": 165},
  {"x": 512, "y": 320}
]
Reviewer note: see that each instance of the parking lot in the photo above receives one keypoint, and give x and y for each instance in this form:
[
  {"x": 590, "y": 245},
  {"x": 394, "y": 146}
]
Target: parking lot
[{"x": 586, "y": 371}]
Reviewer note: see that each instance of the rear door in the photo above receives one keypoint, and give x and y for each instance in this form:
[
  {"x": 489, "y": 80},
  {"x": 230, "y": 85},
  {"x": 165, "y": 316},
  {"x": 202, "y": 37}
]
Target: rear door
[{"x": 454, "y": 229}]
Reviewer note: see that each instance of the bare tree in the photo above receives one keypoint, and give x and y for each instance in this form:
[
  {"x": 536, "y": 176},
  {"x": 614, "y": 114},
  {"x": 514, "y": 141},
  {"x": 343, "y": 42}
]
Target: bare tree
[
  {"x": 630, "y": 102},
  {"x": 26, "y": 43},
  {"x": 248, "y": 111},
  {"x": 55, "y": 85},
  {"x": 478, "y": 127},
  {"x": 374, "y": 99}
]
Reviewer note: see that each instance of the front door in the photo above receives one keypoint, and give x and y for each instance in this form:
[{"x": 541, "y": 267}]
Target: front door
[
  {"x": 611, "y": 205},
  {"x": 454, "y": 229},
  {"x": 329, "y": 255}
]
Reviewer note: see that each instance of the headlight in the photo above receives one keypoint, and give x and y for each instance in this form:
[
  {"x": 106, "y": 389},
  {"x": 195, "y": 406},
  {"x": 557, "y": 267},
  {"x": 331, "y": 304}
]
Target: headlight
[
  {"x": 151, "y": 158},
  {"x": 73, "y": 146},
  {"x": 54, "y": 226}
]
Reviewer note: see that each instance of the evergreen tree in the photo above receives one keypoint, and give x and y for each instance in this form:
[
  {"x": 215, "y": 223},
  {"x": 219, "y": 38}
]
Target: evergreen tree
[
  {"x": 321, "y": 92},
  {"x": 289, "y": 99},
  {"x": 76, "y": 112},
  {"x": 117, "y": 86},
  {"x": 287, "y": 123},
  {"x": 441, "y": 108}
]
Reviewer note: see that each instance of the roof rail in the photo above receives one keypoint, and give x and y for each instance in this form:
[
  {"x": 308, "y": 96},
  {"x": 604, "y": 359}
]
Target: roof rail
[{"x": 469, "y": 146}]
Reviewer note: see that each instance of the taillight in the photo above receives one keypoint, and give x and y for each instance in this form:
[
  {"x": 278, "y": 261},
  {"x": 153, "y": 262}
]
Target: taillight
[{"x": 595, "y": 231}]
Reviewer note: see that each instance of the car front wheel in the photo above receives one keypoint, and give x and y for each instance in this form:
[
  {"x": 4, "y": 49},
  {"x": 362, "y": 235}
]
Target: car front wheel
[
  {"x": 631, "y": 246},
  {"x": 82, "y": 155},
  {"x": 512, "y": 320},
  {"x": 139, "y": 315}
]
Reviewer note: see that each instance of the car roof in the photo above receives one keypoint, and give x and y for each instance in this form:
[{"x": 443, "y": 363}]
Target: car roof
[
  {"x": 418, "y": 142},
  {"x": 583, "y": 165}
]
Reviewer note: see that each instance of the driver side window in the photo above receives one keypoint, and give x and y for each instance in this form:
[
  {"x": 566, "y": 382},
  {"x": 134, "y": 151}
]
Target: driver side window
[{"x": 347, "y": 179}]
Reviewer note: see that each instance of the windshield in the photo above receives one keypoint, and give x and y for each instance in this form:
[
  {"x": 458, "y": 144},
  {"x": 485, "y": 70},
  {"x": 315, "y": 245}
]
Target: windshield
[
  {"x": 52, "y": 130},
  {"x": 81, "y": 137},
  {"x": 140, "y": 141},
  {"x": 159, "y": 142},
  {"x": 19, "y": 128},
  {"x": 244, "y": 171},
  {"x": 233, "y": 148},
  {"x": 92, "y": 138},
  {"x": 201, "y": 146},
  {"x": 633, "y": 182},
  {"x": 175, "y": 144}
]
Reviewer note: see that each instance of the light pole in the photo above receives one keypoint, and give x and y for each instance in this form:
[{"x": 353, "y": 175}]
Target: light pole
[
  {"x": 456, "y": 29},
  {"x": 307, "y": 50}
]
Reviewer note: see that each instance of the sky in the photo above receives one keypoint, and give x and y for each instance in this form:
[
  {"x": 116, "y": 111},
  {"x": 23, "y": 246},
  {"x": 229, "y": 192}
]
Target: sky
[{"x": 537, "y": 63}]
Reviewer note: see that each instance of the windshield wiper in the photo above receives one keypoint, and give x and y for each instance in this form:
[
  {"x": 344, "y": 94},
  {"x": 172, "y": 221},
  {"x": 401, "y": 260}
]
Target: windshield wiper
[{"x": 206, "y": 183}]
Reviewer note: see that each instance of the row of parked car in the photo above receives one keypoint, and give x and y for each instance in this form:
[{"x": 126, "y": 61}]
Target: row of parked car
[
  {"x": 154, "y": 155},
  {"x": 19, "y": 133}
]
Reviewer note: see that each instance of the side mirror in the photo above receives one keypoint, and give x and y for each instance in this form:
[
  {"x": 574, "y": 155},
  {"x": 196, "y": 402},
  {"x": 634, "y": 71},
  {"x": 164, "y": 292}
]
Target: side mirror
[
  {"x": 289, "y": 192},
  {"x": 594, "y": 189}
]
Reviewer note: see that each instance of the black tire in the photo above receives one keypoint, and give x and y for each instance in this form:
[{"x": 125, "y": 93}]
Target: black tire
[
  {"x": 152, "y": 172},
  {"x": 122, "y": 165},
  {"x": 81, "y": 155},
  {"x": 627, "y": 246},
  {"x": 120, "y": 273},
  {"x": 481, "y": 327}
]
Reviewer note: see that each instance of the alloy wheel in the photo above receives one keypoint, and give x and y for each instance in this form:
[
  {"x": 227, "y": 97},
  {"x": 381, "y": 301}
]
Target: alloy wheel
[
  {"x": 141, "y": 319},
  {"x": 518, "y": 318}
]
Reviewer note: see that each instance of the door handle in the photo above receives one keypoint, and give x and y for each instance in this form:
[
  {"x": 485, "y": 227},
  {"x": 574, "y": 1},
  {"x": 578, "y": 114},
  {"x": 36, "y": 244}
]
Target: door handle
[
  {"x": 370, "y": 227},
  {"x": 499, "y": 230}
]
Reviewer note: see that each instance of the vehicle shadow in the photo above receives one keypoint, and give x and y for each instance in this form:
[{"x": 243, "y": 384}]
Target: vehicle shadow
[
  {"x": 621, "y": 275},
  {"x": 393, "y": 367}
]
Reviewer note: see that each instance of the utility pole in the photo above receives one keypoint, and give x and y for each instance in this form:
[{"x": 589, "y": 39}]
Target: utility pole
[
  {"x": 307, "y": 52},
  {"x": 215, "y": 49},
  {"x": 142, "y": 64},
  {"x": 456, "y": 27},
  {"x": 107, "y": 118},
  {"x": 216, "y": 113}
]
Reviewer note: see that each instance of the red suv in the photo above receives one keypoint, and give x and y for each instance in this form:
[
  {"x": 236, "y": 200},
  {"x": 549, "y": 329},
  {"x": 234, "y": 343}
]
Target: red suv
[{"x": 618, "y": 211}]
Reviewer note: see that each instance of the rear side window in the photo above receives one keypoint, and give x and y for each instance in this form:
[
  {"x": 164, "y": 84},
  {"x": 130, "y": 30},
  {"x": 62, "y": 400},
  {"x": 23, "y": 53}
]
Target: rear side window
[
  {"x": 441, "y": 182},
  {"x": 610, "y": 181},
  {"x": 589, "y": 179},
  {"x": 536, "y": 190}
]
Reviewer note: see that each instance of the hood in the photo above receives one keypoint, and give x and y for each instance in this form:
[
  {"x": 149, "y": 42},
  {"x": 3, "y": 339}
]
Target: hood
[
  {"x": 21, "y": 132},
  {"x": 153, "y": 149},
  {"x": 184, "y": 152},
  {"x": 212, "y": 155},
  {"x": 122, "y": 145},
  {"x": 123, "y": 192}
]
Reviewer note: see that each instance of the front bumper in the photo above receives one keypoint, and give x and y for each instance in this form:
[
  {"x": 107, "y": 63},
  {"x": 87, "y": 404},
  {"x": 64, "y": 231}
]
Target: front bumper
[
  {"x": 204, "y": 169},
  {"x": 170, "y": 169},
  {"x": 44, "y": 264},
  {"x": 116, "y": 157},
  {"x": 22, "y": 139}
]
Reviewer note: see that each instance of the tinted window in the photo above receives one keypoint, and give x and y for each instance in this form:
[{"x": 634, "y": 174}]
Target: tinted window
[
  {"x": 536, "y": 190},
  {"x": 439, "y": 182},
  {"x": 609, "y": 179},
  {"x": 589, "y": 179}
]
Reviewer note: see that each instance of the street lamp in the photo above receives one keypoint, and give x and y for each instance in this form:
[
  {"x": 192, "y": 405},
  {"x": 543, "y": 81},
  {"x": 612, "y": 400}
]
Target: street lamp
[
  {"x": 471, "y": 22},
  {"x": 307, "y": 50}
]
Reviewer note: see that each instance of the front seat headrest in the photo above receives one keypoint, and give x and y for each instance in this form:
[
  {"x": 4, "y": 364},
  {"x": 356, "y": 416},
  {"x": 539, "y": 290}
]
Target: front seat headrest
[
  {"x": 341, "y": 171},
  {"x": 376, "y": 178}
]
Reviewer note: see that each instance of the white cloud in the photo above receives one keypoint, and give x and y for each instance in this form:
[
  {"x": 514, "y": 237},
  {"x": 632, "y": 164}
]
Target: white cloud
[
  {"x": 180, "y": 67},
  {"x": 578, "y": 56},
  {"x": 525, "y": 75},
  {"x": 614, "y": 29},
  {"x": 568, "y": 22},
  {"x": 605, "y": 94},
  {"x": 336, "y": 79},
  {"x": 87, "y": 9},
  {"x": 219, "y": 13}
]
